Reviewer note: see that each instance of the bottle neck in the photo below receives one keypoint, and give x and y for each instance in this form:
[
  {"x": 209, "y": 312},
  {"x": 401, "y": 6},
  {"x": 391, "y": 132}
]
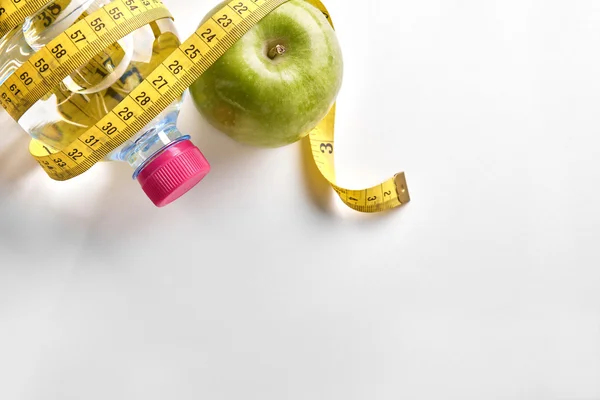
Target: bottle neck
[{"x": 151, "y": 144}]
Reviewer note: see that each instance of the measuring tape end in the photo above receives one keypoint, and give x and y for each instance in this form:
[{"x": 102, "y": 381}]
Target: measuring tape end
[{"x": 402, "y": 188}]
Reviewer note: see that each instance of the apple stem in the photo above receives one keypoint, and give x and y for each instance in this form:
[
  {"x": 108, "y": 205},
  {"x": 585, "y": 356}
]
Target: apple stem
[{"x": 276, "y": 51}]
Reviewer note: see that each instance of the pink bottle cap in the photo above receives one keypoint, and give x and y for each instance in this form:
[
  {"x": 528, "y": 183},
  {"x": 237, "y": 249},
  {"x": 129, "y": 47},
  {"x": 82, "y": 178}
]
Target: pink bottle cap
[{"x": 173, "y": 173}]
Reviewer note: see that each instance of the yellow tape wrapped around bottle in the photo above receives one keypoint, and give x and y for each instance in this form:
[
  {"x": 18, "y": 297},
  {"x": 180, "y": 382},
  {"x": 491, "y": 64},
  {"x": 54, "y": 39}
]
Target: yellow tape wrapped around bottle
[
  {"x": 14, "y": 12},
  {"x": 82, "y": 41}
]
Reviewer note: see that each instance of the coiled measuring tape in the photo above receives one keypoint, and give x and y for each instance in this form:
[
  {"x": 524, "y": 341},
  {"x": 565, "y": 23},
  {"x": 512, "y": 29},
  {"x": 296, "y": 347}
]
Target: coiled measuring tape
[{"x": 82, "y": 41}]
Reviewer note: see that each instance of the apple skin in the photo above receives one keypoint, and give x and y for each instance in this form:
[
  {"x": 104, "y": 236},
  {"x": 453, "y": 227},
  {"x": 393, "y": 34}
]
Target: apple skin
[{"x": 267, "y": 102}]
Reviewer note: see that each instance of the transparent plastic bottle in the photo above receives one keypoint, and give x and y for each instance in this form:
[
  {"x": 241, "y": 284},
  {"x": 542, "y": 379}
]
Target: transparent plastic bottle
[{"x": 165, "y": 162}]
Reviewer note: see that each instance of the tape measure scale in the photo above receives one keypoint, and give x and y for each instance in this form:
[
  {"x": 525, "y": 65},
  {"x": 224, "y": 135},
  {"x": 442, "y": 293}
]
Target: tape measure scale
[
  {"x": 73, "y": 48},
  {"x": 385, "y": 196},
  {"x": 14, "y": 12},
  {"x": 168, "y": 82},
  {"x": 45, "y": 16},
  {"x": 164, "y": 85}
]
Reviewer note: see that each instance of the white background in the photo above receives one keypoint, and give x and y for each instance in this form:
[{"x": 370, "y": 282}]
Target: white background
[{"x": 259, "y": 284}]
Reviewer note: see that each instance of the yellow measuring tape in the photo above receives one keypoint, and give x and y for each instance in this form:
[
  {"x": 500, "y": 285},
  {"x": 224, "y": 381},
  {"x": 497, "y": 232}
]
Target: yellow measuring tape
[
  {"x": 82, "y": 41},
  {"x": 14, "y": 12},
  {"x": 73, "y": 48}
]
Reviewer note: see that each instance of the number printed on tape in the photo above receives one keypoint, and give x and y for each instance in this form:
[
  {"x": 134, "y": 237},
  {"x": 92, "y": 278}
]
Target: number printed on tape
[{"x": 160, "y": 88}]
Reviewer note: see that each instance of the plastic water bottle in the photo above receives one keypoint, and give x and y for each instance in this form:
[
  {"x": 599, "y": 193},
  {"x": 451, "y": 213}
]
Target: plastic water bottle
[{"x": 165, "y": 162}]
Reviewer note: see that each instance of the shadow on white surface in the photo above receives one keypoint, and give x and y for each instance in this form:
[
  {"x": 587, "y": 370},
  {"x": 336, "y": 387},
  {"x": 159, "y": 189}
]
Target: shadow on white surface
[
  {"x": 24, "y": 183},
  {"x": 485, "y": 286},
  {"x": 107, "y": 202},
  {"x": 15, "y": 161},
  {"x": 105, "y": 198}
]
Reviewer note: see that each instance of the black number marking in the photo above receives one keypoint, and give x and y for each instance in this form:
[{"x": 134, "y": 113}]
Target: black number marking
[
  {"x": 142, "y": 98},
  {"x": 326, "y": 148},
  {"x": 372, "y": 198},
  {"x": 47, "y": 164},
  {"x": 98, "y": 24},
  {"x": 5, "y": 97},
  {"x": 208, "y": 35},
  {"x": 192, "y": 52},
  {"x": 91, "y": 141},
  {"x": 60, "y": 162},
  {"x": 46, "y": 18},
  {"x": 175, "y": 67},
  {"x": 131, "y": 6},
  {"x": 75, "y": 154},
  {"x": 158, "y": 80},
  {"x": 27, "y": 80},
  {"x": 77, "y": 36},
  {"x": 125, "y": 114},
  {"x": 387, "y": 194},
  {"x": 115, "y": 13},
  {"x": 58, "y": 51},
  {"x": 240, "y": 8},
  {"x": 13, "y": 88},
  {"x": 109, "y": 128},
  {"x": 41, "y": 65},
  {"x": 54, "y": 8},
  {"x": 225, "y": 21}
]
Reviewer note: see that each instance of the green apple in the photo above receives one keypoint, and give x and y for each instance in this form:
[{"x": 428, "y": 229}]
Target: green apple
[{"x": 277, "y": 82}]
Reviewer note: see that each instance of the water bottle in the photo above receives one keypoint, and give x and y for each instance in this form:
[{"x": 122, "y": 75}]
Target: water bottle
[{"x": 165, "y": 162}]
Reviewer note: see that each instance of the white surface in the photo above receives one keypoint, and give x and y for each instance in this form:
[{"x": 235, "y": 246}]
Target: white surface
[{"x": 259, "y": 285}]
